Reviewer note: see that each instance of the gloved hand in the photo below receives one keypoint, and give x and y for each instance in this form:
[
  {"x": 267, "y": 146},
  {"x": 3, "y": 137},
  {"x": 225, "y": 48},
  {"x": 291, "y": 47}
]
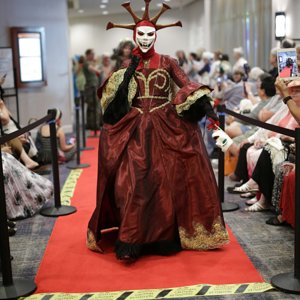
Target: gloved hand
[
  {"x": 119, "y": 107},
  {"x": 214, "y": 124}
]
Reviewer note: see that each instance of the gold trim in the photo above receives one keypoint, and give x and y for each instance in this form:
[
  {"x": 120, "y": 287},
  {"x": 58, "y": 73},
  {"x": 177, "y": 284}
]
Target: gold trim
[
  {"x": 91, "y": 242},
  {"x": 111, "y": 87},
  {"x": 154, "y": 75},
  {"x": 138, "y": 109},
  {"x": 202, "y": 239},
  {"x": 159, "y": 107},
  {"x": 152, "y": 97},
  {"x": 192, "y": 99}
]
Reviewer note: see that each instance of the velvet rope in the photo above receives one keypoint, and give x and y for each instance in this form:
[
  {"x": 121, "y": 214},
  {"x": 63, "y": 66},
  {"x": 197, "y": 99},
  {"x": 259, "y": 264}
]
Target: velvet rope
[{"x": 258, "y": 123}]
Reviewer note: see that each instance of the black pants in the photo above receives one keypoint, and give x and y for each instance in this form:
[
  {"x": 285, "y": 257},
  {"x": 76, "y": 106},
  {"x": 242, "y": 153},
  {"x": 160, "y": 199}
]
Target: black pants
[
  {"x": 241, "y": 169},
  {"x": 263, "y": 174}
]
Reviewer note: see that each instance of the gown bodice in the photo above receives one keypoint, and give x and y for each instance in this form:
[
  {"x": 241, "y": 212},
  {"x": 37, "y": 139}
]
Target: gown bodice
[{"x": 154, "y": 88}]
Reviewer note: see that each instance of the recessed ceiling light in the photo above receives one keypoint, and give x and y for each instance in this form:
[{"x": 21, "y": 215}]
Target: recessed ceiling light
[
  {"x": 105, "y": 12},
  {"x": 143, "y": 8},
  {"x": 102, "y": 6},
  {"x": 81, "y": 11},
  {"x": 104, "y": 1},
  {"x": 159, "y": 4}
]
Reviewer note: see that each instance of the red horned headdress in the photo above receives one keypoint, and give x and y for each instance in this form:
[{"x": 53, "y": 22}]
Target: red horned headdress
[{"x": 145, "y": 17}]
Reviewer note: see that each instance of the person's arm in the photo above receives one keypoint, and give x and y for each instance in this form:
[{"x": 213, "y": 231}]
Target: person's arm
[
  {"x": 192, "y": 101},
  {"x": 265, "y": 115},
  {"x": 250, "y": 95},
  {"x": 93, "y": 69},
  {"x": 4, "y": 113},
  {"x": 294, "y": 109},
  {"x": 62, "y": 141}
]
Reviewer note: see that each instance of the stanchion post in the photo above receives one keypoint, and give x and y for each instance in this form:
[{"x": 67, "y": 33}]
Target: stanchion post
[
  {"x": 221, "y": 162},
  {"x": 58, "y": 210},
  {"x": 226, "y": 206},
  {"x": 290, "y": 282},
  {"x": 84, "y": 147},
  {"x": 95, "y": 114},
  {"x": 77, "y": 164}
]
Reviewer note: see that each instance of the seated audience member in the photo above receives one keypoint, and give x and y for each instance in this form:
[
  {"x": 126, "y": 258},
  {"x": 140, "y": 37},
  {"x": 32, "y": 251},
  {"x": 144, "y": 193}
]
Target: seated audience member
[
  {"x": 8, "y": 126},
  {"x": 66, "y": 151},
  {"x": 240, "y": 61},
  {"x": 273, "y": 151},
  {"x": 192, "y": 67},
  {"x": 25, "y": 192},
  {"x": 288, "y": 43},
  {"x": 266, "y": 90},
  {"x": 205, "y": 70},
  {"x": 231, "y": 92},
  {"x": 274, "y": 63},
  {"x": 283, "y": 197}
]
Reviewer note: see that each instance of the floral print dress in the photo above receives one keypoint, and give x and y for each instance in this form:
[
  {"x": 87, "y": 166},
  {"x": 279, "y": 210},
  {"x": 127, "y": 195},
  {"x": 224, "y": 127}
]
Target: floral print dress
[{"x": 25, "y": 192}]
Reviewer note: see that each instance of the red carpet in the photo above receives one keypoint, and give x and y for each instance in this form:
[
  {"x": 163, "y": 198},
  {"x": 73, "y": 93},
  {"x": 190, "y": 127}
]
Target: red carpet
[{"x": 68, "y": 266}]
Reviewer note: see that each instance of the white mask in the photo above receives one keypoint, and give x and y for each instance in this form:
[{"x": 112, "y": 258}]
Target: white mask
[
  {"x": 145, "y": 37},
  {"x": 223, "y": 141}
]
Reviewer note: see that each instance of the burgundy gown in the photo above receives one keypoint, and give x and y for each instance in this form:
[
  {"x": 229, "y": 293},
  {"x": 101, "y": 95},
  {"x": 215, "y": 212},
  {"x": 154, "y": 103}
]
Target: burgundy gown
[{"x": 155, "y": 180}]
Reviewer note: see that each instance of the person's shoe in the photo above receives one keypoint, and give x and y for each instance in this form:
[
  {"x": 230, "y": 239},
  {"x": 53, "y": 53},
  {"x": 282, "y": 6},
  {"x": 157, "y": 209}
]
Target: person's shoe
[
  {"x": 11, "y": 231},
  {"x": 245, "y": 188},
  {"x": 231, "y": 188},
  {"x": 247, "y": 195},
  {"x": 257, "y": 207},
  {"x": 251, "y": 201},
  {"x": 127, "y": 259},
  {"x": 11, "y": 224},
  {"x": 275, "y": 221}
]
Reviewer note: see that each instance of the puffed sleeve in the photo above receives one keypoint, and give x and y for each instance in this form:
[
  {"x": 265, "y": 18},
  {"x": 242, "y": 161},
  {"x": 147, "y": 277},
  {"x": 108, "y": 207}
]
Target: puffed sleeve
[{"x": 193, "y": 100}]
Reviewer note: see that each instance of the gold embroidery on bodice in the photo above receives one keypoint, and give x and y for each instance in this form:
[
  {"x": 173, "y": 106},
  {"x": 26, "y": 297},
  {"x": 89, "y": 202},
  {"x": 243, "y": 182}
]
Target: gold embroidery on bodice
[{"x": 154, "y": 86}]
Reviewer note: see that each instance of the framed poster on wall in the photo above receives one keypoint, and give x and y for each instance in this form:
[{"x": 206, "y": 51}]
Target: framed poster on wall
[
  {"x": 6, "y": 67},
  {"x": 29, "y": 56}
]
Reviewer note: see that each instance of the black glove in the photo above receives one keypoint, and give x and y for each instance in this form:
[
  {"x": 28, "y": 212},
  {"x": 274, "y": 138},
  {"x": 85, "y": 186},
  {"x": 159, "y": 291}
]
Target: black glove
[
  {"x": 199, "y": 109},
  {"x": 119, "y": 107}
]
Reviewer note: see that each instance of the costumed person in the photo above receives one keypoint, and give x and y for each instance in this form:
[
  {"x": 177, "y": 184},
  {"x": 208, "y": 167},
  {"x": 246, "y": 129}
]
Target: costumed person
[{"x": 156, "y": 190}]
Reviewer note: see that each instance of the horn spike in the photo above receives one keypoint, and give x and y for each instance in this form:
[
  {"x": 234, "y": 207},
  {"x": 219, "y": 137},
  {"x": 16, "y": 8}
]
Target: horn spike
[
  {"x": 127, "y": 6},
  {"x": 163, "y": 8},
  {"x": 146, "y": 13},
  {"x": 158, "y": 27},
  {"x": 111, "y": 25}
]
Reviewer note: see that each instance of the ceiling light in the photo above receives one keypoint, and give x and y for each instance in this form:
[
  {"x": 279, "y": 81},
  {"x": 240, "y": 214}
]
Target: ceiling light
[
  {"x": 102, "y": 6},
  {"x": 159, "y": 4},
  {"x": 143, "y": 8},
  {"x": 280, "y": 25},
  {"x": 105, "y": 12},
  {"x": 104, "y": 1},
  {"x": 81, "y": 11}
]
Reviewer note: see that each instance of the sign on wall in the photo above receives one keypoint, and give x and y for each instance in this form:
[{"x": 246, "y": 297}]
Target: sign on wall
[{"x": 6, "y": 67}]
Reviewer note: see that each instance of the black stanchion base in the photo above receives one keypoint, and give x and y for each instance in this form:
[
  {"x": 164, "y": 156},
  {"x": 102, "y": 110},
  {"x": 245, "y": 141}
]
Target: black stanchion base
[
  {"x": 19, "y": 288},
  {"x": 74, "y": 165},
  {"x": 286, "y": 282},
  {"x": 229, "y": 206},
  {"x": 58, "y": 211},
  {"x": 86, "y": 148}
]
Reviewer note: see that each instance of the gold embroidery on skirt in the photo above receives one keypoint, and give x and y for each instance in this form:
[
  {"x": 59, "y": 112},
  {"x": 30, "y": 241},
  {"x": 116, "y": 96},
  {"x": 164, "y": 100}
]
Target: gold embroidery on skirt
[
  {"x": 91, "y": 242},
  {"x": 203, "y": 239},
  {"x": 191, "y": 100}
]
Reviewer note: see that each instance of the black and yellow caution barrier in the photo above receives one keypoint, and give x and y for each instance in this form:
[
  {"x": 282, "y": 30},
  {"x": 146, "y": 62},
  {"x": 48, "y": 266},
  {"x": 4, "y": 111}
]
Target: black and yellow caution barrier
[
  {"x": 179, "y": 292},
  {"x": 68, "y": 189}
]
